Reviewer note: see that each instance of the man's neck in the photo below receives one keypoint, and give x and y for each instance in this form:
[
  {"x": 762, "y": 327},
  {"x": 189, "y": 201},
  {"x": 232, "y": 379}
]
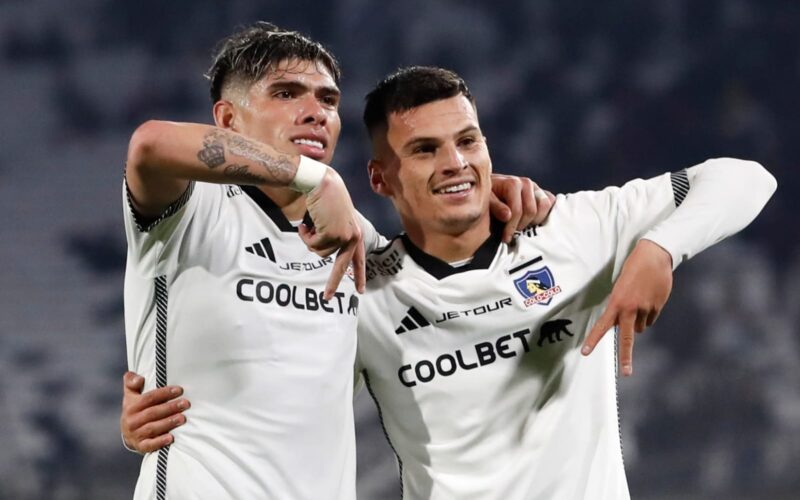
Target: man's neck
[
  {"x": 450, "y": 247},
  {"x": 291, "y": 203}
]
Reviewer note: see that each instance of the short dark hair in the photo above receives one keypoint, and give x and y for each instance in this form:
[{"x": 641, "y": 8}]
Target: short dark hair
[
  {"x": 249, "y": 53},
  {"x": 408, "y": 88}
]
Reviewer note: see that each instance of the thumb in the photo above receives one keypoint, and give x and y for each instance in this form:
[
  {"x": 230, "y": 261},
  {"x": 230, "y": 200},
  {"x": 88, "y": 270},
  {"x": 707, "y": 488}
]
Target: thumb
[
  {"x": 607, "y": 320},
  {"x": 133, "y": 381}
]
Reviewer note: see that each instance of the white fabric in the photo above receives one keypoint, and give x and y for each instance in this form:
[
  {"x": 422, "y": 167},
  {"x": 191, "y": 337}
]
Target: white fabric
[
  {"x": 733, "y": 206},
  {"x": 265, "y": 364},
  {"x": 481, "y": 386}
]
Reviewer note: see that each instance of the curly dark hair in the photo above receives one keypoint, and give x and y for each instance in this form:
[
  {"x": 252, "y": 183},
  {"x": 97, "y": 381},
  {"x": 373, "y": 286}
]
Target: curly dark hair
[{"x": 248, "y": 54}]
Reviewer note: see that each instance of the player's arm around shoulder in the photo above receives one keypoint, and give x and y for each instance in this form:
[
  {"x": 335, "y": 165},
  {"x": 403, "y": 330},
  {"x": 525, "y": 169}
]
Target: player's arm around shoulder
[{"x": 163, "y": 157}]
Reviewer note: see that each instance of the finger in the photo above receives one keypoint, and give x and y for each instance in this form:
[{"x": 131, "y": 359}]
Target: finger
[
  {"x": 153, "y": 414},
  {"x": 154, "y": 397},
  {"x": 641, "y": 322},
  {"x": 544, "y": 203},
  {"x": 157, "y": 429},
  {"x": 359, "y": 267},
  {"x": 652, "y": 317},
  {"x": 513, "y": 199},
  {"x": 155, "y": 444},
  {"x": 316, "y": 242},
  {"x": 498, "y": 209},
  {"x": 133, "y": 381},
  {"x": 528, "y": 203},
  {"x": 626, "y": 339},
  {"x": 343, "y": 259},
  {"x": 604, "y": 324}
]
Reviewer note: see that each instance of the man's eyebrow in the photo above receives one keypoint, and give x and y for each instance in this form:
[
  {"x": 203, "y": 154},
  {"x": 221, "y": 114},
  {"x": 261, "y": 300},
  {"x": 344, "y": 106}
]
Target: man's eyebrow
[
  {"x": 416, "y": 141},
  {"x": 467, "y": 129},
  {"x": 328, "y": 90},
  {"x": 295, "y": 85}
]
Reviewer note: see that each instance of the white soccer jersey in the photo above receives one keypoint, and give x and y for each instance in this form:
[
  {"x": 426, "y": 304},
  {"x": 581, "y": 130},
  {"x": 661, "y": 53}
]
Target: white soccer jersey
[
  {"x": 223, "y": 298},
  {"x": 477, "y": 371}
]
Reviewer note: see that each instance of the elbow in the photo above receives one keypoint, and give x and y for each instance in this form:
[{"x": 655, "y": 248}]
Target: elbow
[
  {"x": 144, "y": 145},
  {"x": 761, "y": 184},
  {"x": 760, "y": 180}
]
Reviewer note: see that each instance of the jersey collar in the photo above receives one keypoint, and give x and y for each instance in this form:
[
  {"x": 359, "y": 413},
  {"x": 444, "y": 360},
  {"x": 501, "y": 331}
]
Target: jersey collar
[
  {"x": 440, "y": 269},
  {"x": 272, "y": 210}
]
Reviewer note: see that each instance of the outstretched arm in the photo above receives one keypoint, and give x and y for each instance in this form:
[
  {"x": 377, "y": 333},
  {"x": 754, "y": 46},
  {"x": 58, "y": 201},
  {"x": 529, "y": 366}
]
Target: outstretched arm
[
  {"x": 164, "y": 157},
  {"x": 725, "y": 196}
]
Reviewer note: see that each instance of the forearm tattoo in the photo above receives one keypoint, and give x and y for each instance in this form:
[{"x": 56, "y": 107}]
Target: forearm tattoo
[
  {"x": 278, "y": 167},
  {"x": 242, "y": 174},
  {"x": 213, "y": 152}
]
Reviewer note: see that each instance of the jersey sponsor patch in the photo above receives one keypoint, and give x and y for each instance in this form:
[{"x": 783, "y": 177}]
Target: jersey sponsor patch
[
  {"x": 294, "y": 296},
  {"x": 484, "y": 353},
  {"x": 537, "y": 287}
]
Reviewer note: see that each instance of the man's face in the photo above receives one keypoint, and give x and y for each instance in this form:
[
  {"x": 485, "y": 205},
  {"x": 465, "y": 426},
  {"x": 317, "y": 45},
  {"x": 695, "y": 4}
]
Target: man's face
[
  {"x": 435, "y": 167},
  {"x": 294, "y": 108}
]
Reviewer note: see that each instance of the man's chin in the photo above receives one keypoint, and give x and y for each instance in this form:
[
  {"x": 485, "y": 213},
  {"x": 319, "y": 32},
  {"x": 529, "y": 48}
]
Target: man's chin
[{"x": 459, "y": 223}]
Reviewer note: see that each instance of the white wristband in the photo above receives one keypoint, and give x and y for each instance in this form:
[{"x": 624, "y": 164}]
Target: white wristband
[{"x": 309, "y": 175}]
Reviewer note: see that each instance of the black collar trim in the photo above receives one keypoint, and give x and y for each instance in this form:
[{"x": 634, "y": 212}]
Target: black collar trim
[
  {"x": 440, "y": 269},
  {"x": 270, "y": 208}
]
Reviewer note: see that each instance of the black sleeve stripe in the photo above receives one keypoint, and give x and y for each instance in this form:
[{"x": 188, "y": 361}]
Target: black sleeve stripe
[
  {"x": 680, "y": 186},
  {"x": 144, "y": 223}
]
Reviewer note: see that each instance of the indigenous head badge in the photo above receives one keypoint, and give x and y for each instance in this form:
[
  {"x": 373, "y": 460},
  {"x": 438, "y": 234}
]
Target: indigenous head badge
[{"x": 537, "y": 287}]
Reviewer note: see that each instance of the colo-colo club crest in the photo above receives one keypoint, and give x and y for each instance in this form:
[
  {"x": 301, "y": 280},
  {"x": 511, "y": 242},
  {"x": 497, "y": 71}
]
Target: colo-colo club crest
[{"x": 537, "y": 287}]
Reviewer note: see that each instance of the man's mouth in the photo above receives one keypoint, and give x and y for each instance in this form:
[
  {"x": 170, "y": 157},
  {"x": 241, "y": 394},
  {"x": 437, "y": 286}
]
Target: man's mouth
[
  {"x": 312, "y": 148},
  {"x": 309, "y": 142},
  {"x": 456, "y": 188}
]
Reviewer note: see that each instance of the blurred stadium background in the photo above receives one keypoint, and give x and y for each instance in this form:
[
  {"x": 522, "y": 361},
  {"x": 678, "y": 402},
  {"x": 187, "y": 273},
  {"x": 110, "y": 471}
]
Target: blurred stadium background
[{"x": 576, "y": 94}]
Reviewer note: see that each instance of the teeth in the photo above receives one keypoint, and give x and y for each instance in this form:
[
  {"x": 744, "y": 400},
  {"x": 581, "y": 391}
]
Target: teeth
[
  {"x": 455, "y": 189},
  {"x": 309, "y": 142}
]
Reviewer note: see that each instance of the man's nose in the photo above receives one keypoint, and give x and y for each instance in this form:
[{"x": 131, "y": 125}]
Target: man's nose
[
  {"x": 312, "y": 111},
  {"x": 453, "y": 158}
]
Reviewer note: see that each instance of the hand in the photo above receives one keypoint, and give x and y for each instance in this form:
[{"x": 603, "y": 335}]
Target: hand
[
  {"x": 148, "y": 418},
  {"x": 519, "y": 202},
  {"x": 335, "y": 228},
  {"x": 637, "y": 298}
]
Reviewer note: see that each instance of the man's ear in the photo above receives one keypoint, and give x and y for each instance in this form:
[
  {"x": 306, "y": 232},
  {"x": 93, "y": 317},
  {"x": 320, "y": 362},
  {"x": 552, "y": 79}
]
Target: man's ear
[
  {"x": 225, "y": 115},
  {"x": 376, "y": 179}
]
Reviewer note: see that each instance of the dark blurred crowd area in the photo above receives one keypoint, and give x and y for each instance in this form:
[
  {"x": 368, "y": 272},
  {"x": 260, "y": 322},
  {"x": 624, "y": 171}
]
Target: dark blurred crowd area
[{"x": 575, "y": 94}]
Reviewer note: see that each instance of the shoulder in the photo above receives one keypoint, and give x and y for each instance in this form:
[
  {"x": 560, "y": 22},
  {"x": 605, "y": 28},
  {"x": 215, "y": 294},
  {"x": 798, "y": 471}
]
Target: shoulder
[{"x": 386, "y": 261}]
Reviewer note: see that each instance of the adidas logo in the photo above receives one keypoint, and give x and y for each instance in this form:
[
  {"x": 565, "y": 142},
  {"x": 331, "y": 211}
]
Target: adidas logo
[
  {"x": 411, "y": 321},
  {"x": 262, "y": 248}
]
